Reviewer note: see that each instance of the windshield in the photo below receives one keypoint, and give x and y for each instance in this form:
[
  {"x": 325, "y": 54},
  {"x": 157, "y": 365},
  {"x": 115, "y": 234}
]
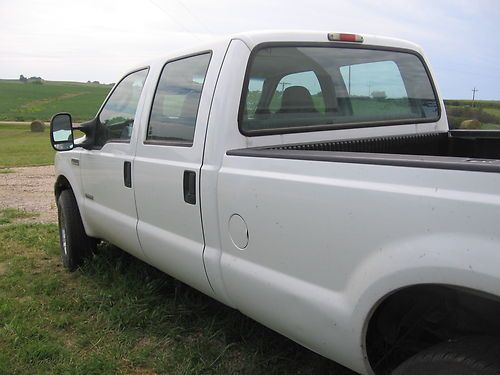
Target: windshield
[{"x": 309, "y": 88}]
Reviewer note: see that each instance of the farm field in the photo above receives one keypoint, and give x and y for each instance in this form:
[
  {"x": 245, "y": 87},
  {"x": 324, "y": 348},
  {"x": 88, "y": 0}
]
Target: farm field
[
  {"x": 486, "y": 111},
  {"x": 29, "y": 101},
  {"x": 20, "y": 147}
]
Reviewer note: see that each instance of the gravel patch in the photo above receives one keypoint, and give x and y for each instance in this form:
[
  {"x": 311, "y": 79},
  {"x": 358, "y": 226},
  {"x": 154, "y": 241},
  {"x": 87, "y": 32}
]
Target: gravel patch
[{"x": 30, "y": 189}]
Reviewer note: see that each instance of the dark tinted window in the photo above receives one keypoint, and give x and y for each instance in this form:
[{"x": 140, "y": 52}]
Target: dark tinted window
[
  {"x": 175, "y": 106},
  {"x": 117, "y": 117},
  {"x": 310, "y": 87}
]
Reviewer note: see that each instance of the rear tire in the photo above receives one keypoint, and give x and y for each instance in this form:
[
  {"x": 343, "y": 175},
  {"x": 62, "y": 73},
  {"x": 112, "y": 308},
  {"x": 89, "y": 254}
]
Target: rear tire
[
  {"x": 465, "y": 356},
  {"x": 76, "y": 246}
]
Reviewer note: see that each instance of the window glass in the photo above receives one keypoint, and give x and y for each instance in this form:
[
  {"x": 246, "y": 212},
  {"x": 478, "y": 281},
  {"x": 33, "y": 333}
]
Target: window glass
[
  {"x": 376, "y": 88},
  {"x": 177, "y": 97},
  {"x": 311, "y": 87},
  {"x": 255, "y": 87},
  {"x": 117, "y": 117},
  {"x": 308, "y": 80}
]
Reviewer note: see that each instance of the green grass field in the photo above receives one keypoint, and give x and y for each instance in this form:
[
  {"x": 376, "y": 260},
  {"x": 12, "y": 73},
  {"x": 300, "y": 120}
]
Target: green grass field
[
  {"x": 28, "y": 101},
  {"x": 20, "y": 147},
  {"x": 493, "y": 111},
  {"x": 117, "y": 315}
]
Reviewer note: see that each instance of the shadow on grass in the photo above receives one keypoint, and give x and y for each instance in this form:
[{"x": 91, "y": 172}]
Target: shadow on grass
[{"x": 211, "y": 337}]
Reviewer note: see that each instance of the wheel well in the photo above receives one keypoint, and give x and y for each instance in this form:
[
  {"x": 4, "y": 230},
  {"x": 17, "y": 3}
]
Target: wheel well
[
  {"x": 417, "y": 317},
  {"x": 61, "y": 184}
]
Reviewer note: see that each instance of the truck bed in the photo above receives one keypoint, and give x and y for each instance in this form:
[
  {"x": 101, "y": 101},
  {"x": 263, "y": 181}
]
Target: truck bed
[{"x": 477, "y": 150}]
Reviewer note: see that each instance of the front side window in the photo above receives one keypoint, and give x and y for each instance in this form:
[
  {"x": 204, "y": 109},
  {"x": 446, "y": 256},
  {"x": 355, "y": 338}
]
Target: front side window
[
  {"x": 175, "y": 105},
  {"x": 117, "y": 116},
  {"x": 314, "y": 88}
]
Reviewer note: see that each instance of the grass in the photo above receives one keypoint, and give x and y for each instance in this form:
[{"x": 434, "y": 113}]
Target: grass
[
  {"x": 493, "y": 111},
  {"x": 8, "y": 215},
  {"x": 486, "y": 111},
  {"x": 119, "y": 315},
  {"x": 479, "y": 103},
  {"x": 27, "y": 101},
  {"x": 20, "y": 147},
  {"x": 490, "y": 126}
]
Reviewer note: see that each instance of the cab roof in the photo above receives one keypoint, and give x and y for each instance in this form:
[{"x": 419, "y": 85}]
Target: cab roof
[{"x": 254, "y": 38}]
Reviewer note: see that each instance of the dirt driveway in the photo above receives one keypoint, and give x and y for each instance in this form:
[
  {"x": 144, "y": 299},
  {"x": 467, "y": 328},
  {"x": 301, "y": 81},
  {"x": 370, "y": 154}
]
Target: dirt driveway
[{"x": 30, "y": 189}]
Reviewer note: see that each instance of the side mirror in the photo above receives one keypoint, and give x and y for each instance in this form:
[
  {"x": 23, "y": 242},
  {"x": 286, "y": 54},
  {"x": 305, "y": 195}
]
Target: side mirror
[{"x": 61, "y": 132}]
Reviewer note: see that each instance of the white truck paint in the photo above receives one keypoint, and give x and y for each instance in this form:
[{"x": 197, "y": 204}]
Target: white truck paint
[{"x": 307, "y": 247}]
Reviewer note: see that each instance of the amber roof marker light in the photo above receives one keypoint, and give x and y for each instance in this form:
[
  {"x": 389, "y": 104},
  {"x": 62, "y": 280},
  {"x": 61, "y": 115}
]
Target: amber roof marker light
[{"x": 341, "y": 37}]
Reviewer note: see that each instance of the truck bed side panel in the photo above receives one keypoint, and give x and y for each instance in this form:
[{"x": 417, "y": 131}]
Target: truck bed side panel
[{"x": 321, "y": 235}]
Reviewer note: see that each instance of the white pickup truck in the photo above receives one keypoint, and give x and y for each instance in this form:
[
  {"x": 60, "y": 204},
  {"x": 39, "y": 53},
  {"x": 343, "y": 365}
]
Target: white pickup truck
[{"x": 308, "y": 180}]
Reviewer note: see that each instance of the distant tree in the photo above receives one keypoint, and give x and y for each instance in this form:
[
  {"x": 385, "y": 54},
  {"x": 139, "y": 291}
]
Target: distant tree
[
  {"x": 96, "y": 82},
  {"x": 22, "y": 78},
  {"x": 35, "y": 80}
]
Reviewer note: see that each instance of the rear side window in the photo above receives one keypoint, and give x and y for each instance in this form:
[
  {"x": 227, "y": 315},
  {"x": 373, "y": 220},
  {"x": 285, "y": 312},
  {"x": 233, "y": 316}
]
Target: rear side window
[
  {"x": 313, "y": 88},
  {"x": 176, "y": 101}
]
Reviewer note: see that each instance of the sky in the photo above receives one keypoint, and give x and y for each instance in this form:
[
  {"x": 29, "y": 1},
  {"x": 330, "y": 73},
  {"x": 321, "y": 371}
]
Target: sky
[{"x": 100, "y": 39}]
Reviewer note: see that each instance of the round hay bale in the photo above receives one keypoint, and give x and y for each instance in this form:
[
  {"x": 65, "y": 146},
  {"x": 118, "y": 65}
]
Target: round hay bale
[
  {"x": 470, "y": 124},
  {"x": 37, "y": 126}
]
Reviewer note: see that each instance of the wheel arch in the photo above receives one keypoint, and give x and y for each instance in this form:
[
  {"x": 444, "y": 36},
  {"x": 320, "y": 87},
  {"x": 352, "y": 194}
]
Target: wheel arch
[
  {"x": 433, "y": 312},
  {"x": 454, "y": 260},
  {"x": 62, "y": 183}
]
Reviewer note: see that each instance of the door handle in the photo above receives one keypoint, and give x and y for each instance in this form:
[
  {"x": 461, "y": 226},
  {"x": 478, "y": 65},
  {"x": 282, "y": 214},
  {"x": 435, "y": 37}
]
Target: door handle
[
  {"x": 189, "y": 185},
  {"x": 127, "y": 174}
]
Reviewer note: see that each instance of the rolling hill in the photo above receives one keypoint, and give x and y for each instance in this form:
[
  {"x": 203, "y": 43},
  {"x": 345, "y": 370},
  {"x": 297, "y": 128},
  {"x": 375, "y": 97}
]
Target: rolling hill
[{"x": 27, "y": 101}]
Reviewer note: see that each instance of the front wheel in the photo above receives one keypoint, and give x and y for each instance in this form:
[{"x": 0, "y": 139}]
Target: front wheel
[
  {"x": 465, "y": 356},
  {"x": 76, "y": 246}
]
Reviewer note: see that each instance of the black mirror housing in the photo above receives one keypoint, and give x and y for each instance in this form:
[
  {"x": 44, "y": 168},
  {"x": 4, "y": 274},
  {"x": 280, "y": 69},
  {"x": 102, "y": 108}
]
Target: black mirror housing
[{"x": 61, "y": 132}]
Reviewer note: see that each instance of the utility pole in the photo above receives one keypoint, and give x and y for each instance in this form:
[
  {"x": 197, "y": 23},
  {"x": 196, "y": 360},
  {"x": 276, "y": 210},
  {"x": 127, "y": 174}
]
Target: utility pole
[
  {"x": 474, "y": 90},
  {"x": 349, "y": 90},
  {"x": 283, "y": 85}
]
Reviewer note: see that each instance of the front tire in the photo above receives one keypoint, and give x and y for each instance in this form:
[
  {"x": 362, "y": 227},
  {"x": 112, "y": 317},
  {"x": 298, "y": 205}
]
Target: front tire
[
  {"x": 75, "y": 245},
  {"x": 465, "y": 356}
]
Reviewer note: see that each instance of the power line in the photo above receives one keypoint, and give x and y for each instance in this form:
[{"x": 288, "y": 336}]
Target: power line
[
  {"x": 175, "y": 20},
  {"x": 194, "y": 16},
  {"x": 283, "y": 84}
]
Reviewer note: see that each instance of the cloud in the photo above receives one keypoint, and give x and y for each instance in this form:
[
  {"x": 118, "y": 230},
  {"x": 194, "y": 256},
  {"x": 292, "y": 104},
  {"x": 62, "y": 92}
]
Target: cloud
[{"x": 51, "y": 37}]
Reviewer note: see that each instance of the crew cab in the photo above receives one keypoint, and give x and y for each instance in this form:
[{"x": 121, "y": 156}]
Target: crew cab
[{"x": 309, "y": 180}]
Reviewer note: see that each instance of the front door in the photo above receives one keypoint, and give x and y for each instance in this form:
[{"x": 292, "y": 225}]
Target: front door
[{"x": 107, "y": 169}]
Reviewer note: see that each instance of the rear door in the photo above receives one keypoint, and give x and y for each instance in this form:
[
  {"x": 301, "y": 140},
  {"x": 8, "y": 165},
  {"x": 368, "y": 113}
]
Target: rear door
[
  {"x": 167, "y": 166},
  {"x": 106, "y": 169}
]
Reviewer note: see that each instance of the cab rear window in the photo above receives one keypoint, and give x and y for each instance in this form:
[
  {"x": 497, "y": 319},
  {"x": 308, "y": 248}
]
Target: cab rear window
[{"x": 291, "y": 89}]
